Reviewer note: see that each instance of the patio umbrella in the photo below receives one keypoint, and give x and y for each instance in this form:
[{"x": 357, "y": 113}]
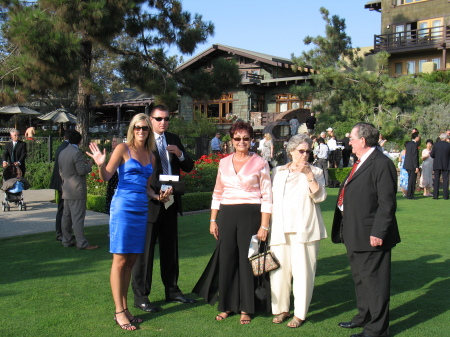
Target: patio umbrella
[
  {"x": 17, "y": 109},
  {"x": 60, "y": 115},
  {"x": 97, "y": 129}
]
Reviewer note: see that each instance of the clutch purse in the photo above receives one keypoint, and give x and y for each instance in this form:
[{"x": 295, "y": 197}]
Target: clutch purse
[
  {"x": 264, "y": 262},
  {"x": 178, "y": 186}
]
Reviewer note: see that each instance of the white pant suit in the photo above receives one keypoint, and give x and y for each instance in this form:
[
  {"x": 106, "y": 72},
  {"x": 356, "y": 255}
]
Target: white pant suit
[{"x": 296, "y": 230}]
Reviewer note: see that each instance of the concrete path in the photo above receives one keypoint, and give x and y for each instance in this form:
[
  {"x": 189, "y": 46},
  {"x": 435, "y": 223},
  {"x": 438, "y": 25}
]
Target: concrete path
[{"x": 39, "y": 216}]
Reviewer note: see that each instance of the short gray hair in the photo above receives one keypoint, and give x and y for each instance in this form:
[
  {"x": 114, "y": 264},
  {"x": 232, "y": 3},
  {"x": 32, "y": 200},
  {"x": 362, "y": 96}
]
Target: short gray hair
[
  {"x": 13, "y": 131},
  {"x": 443, "y": 136},
  {"x": 369, "y": 132},
  {"x": 296, "y": 141}
]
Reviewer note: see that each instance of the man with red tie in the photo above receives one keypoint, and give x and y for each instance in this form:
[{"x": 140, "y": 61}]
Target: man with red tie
[{"x": 365, "y": 222}]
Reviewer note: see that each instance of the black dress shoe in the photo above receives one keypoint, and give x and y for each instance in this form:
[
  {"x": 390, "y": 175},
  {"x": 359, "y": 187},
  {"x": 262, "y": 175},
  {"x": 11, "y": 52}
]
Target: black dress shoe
[
  {"x": 362, "y": 334},
  {"x": 350, "y": 325},
  {"x": 181, "y": 299},
  {"x": 148, "y": 307}
]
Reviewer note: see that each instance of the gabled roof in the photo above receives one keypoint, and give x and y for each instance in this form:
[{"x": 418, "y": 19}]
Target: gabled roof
[{"x": 265, "y": 58}]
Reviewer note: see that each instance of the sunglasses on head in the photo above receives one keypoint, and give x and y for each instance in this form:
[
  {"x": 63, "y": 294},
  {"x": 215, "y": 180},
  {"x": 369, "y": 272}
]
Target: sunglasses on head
[
  {"x": 143, "y": 128},
  {"x": 304, "y": 151},
  {"x": 238, "y": 139},
  {"x": 159, "y": 119}
]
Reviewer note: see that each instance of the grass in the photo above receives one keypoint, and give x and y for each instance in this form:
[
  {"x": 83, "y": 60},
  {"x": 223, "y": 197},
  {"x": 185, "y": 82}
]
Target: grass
[{"x": 48, "y": 290}]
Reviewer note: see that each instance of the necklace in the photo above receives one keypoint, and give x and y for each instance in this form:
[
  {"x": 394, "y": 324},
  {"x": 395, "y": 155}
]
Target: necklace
[{"x": 240, "y": 159}]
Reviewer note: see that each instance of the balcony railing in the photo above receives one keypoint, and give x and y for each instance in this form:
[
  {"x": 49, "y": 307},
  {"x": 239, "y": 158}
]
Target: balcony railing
[{"x": 413, "y": 39}]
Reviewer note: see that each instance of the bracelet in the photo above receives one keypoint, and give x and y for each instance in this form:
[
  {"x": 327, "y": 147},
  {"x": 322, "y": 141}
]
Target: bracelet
[
  {"x": 310, "y": 180},
  {"x": 265, "y": 228},
  {"x": 212, "y": 220}
]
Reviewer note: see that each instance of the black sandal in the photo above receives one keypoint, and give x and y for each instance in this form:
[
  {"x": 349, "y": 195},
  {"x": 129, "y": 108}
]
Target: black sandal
[
  {"x": 134, "y": 319},
  {"x": 127, "y": 326}
]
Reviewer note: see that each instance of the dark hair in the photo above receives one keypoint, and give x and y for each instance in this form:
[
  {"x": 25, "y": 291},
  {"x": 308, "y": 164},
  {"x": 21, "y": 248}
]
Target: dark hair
[
  {"x": 429, "y": 141},
  {"x": 241, "y": 126},
  {"x": 75, "y": 137},
  {"x": 320, "y": 140},
  {"x": 369, "y": 132},
  {"x": 67, "y": 133},
  {"x": 159, "y": 107},
  {"x": 414, "y": 135}
]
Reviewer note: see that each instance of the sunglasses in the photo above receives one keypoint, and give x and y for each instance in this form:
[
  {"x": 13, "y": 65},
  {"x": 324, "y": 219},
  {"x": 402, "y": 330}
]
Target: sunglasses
[
  {"x": 159, "y": 119},
  {"x": 304, "y": 151},
  {"x": 238, "y": 139},
  {"x": 143, "y": 128}
]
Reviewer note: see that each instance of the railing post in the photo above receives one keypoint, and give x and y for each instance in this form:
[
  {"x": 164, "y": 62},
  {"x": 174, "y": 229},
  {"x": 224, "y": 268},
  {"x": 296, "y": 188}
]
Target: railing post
[{"x": 49, "y": 146}]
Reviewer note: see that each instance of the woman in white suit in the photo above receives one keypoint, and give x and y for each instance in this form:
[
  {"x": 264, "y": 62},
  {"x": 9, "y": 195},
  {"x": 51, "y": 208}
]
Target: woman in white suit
[{"x": 297, "y": 228}]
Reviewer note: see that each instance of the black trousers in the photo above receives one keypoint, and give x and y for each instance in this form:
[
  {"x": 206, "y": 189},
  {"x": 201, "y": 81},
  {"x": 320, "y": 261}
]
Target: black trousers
[
  {"x": 346, "y": 157},
  {"x": 437, "y": 178},
  {"x": 59, "y": 214},
  {"x": 165, "y": 230},
  {"x": 237, "y": 224},
  {"x": 371, "y": 272},
  {"x": 412, "y": 178}
]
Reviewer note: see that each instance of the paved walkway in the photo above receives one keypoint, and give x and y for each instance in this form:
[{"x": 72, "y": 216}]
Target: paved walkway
[{"x": 39, "y": 216}]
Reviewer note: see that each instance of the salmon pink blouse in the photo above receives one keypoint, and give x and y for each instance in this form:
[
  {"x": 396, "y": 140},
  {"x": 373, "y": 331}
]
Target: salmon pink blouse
[{"x": 252, "y": 185}]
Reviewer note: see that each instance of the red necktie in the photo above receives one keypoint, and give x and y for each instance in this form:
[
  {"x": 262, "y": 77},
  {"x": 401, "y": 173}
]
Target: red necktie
[{"x": 341, "y": 195}]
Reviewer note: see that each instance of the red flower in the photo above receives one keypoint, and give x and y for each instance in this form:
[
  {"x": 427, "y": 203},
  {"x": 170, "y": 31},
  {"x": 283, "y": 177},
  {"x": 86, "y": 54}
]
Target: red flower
[
  {"x": 93, "y": 174},
  {"x": 100, "y": 181}
]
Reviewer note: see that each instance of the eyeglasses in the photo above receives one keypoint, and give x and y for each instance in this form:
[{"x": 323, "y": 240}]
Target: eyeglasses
[
  {"x": 159, "y": 119},
  {"x": 143, "y": 128},
  {"x": 352, "y": 139},
  {"x": 238, "y": 139},
  {"x": 304, "y": 151}
]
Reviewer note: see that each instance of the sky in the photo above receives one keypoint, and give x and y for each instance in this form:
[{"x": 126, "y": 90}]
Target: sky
[{"x": 278, "y": 27}]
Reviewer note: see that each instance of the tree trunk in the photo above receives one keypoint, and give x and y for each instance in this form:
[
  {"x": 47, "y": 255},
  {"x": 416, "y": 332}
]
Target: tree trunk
[{"x": 84, "y": 95}]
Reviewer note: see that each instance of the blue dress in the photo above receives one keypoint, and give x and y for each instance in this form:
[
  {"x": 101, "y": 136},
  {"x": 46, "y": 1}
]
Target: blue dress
[
  {"x": 403, "y": 175},
  {"x": 129, "y": 207}
]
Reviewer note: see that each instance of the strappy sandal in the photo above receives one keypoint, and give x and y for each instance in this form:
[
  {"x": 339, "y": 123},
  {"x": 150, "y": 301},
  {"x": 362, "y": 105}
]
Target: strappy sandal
[
  {"x": 127, "y": 326},
  {"x": 281, "y": 317},
  {"x": 243, "y": 320},
  {"x": 223, "y": 315},
  {"x": 295, "y": 322},
  {"x": 133, "y": 319}
]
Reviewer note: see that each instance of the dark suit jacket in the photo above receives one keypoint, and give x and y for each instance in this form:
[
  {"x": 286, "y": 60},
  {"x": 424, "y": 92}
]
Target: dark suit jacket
[
  {"x": 20, "y": 154},
  {"x": 186, "y": 165},
  {"x": 73, "y": 171},
  {"x": 441, "y": 155},
  {"x": 369, "y": 206},
  {"x": 55, "y": 182},
  {"x": 411, "y": 156}
]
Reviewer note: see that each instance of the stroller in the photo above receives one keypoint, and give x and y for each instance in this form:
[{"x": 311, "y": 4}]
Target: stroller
[{"x": 13, "y": 185}]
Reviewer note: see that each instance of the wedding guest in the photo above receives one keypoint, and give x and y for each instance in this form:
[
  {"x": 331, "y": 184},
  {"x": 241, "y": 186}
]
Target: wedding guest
[
  {"x": 426, "y": 178},
  {"x": 297, "y": 228},
  {"x": 241, "y": 208}
]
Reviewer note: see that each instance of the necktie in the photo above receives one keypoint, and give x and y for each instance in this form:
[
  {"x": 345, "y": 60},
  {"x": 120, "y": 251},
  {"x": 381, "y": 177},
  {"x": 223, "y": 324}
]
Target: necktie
[
  {"x": 12, "y": 153},
  {"x": 341, "y": 195},
  {"x": 163, "y": 155}
]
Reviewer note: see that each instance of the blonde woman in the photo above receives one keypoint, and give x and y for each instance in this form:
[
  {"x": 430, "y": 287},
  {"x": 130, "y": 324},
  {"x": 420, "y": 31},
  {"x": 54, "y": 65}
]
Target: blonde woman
[
  {"x": 128, "y": 213},
  {"x": 267, "y": 151}
]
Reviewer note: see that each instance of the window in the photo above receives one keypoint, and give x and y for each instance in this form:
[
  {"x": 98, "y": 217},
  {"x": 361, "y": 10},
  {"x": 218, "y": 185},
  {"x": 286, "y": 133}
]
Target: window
[
  {"x": 215, "y": 110},
  {"x": 438, "y": 62},
  {"x": 421, "y": 62},
  {"x": 410, "y": 67},
  {"x": 398, "y": 68},
  {"x": 430, "y": 29},
  {"x": 406, "y": 2},
  {"x": 287, "y": 102}
]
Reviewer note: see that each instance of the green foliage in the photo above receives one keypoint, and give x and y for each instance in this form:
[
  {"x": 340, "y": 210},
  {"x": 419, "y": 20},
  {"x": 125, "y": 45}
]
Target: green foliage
[
  {"x": 203, "y": 177},
  {"x": 39, "y": 174},
  {"x": 339, "y": 174},
  {"x": 196, "y": 201},
  {"x": 95, "y": 186},
  {"x": 96, "y": 203}
]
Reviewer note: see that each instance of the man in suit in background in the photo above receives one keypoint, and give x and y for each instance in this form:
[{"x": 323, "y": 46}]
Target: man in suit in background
[
  {"x": 15, "y": 152},
  {"x": 347, "y": 150},
  {"x": 411, "y": 164},
  {"x": 55, "y": 183},
  {"x": 364, "y": 220},
  {"x": 162, "y": 223},
  {"x": 73, "y": 169},
  {"x": 441, "y": 165}
]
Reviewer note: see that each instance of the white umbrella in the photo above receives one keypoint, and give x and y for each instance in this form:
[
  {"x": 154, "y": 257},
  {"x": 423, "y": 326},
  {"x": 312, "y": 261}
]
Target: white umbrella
[
  {"x": 17, "y": 109},
  {"x": 60, "y": 115},
  {"x": 97, "y": 129}
]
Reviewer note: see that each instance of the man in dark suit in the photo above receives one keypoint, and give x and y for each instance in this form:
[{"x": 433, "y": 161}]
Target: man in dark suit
[
  {"x": 74, "y": 169},
  {"x": 364, "y": 220},
  {"x": 411, "y": 164},
  {"x": 441, "y": 165},
  {"x": 15, "y": 152},
  {"x": 346, "y": 151},
  {"x": 55, "y": 183},
  {"x": 162, "y": 223}
]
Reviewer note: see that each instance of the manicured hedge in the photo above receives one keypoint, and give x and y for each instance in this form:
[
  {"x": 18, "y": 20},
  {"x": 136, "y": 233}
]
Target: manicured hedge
[
  {"x": 196, "y": 201},
  {"x": 339, "y": 174},
  {"x": 96, "y": 203}
]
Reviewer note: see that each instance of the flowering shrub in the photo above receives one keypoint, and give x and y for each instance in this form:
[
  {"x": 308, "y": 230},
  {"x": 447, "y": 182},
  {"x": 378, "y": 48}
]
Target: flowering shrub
[
  {"x": 95, "y": 185},
  {"x": 203, "y": 177}
]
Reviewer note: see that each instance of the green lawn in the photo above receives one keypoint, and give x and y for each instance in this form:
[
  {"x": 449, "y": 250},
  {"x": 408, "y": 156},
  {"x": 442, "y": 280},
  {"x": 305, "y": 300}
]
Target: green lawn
[{"x": 48, "y": 290}]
